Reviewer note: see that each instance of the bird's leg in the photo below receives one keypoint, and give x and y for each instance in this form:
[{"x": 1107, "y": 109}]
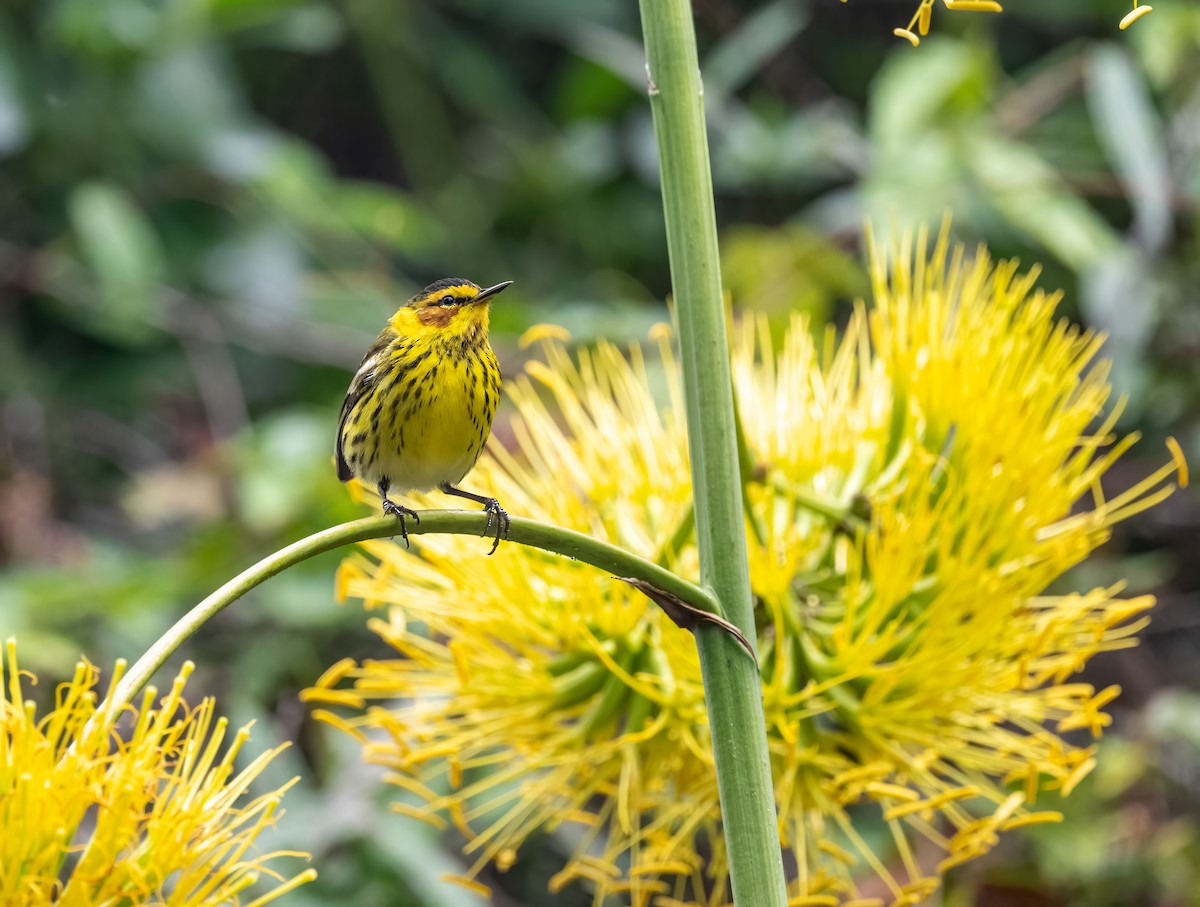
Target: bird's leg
[
  {"x": 490, "y": 506},
  {"x": 391, "y": 508}
]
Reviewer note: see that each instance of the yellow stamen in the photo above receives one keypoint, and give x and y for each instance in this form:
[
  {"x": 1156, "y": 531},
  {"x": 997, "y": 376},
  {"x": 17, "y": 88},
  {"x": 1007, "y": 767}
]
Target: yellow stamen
[
  {"x": 1134, "y": 14},
  {"x": 1042, "y": 818},
  {"x": 1181, "y": 465},
  {"x": 416, "y": 812},
  {"x": 978, "y": 6},
  {"x": 469, "y": 884},
  {"x": 541, "y": 332},
  {"x": 336, "y": 673}
]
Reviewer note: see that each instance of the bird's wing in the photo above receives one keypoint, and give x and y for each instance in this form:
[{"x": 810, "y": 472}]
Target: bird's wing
[
  {"x": 343, "y": 468},
  {"x": 362, "y": 383}
]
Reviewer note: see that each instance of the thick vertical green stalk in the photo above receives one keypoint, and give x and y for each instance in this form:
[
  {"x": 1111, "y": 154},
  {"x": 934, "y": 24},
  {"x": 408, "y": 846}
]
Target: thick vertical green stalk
[{"x": 731, "y": 682}]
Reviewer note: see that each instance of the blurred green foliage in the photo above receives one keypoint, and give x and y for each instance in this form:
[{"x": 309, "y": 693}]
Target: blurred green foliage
[{"x": 207, "y": 207}]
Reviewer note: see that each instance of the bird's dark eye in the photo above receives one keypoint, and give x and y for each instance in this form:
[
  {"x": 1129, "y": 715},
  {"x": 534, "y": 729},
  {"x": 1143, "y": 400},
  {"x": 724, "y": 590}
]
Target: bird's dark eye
[{"x": 447, "y": 300}]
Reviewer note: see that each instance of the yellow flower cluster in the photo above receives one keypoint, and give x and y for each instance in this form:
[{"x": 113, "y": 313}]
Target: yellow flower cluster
[
  {"x": 915, "y": 487},
  {"x": 152, "y": 812},
  {"x": 918, "y": 26}
]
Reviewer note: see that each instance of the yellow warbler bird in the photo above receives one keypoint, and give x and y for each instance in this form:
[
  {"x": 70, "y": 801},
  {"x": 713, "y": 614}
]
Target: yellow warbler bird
[{"x": 420, "y": 406}]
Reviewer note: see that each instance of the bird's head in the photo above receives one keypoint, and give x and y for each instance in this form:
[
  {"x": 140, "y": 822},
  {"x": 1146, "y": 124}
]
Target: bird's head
[{"x": 450, "y": 306}]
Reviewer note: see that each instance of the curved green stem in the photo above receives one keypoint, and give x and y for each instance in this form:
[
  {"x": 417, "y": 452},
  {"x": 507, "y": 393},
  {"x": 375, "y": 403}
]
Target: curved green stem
[{"x": 554, "y": 539}]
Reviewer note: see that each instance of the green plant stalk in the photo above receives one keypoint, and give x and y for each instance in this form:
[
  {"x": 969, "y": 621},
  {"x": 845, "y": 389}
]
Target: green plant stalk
[
  {"x": 555, "y": 539},
  {"x": 732, "y": 686}
]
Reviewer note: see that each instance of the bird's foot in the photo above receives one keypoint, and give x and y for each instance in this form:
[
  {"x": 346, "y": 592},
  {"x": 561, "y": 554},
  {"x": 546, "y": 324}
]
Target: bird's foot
[
  {"x": 391, "y": 508},
  {"x": 498, "y": 515}
]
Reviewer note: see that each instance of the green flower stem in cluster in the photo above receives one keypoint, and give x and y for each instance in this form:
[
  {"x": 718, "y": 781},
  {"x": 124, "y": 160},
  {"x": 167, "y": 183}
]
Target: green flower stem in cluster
[
  {"x": 554, "y": 539},
  {"x": 733, "y": 688}
]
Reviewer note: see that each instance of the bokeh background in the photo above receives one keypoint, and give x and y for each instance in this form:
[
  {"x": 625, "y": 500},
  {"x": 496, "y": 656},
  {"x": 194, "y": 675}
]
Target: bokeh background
[{"x": 208, "y": 207}]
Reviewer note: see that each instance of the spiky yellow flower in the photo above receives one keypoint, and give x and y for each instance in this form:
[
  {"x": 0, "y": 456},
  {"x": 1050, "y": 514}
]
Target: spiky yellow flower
[
  {"x": 152, "y": 812},
  {"x": 916, "y": 487}
]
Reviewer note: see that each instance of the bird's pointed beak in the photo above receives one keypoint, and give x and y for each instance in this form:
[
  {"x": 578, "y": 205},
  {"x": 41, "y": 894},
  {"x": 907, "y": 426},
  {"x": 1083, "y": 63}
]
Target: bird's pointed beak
[{"x": 489, "y": 292}]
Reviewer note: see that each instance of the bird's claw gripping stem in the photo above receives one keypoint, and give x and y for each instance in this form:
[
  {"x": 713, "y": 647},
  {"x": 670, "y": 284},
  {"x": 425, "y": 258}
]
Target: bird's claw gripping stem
[
  {"x": 495, "y": 512},
  {"x": 391, "y": 508}
]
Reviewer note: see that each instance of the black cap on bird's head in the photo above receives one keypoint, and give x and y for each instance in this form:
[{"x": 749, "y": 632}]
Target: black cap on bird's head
[{"x": 451, "y": 291}]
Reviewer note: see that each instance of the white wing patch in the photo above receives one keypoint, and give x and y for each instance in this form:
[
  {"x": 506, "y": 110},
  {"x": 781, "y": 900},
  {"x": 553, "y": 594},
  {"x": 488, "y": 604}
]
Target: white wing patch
[{"x": 365, "y": 371}]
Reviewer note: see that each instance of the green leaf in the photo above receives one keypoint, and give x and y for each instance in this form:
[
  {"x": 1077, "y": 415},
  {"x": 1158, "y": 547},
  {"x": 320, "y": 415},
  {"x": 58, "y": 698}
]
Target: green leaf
[
  {"x": 296, "y": 185},
  {"x": 1034, "y": 199},
  {"x": 1130, "y": 132},
  {"x": 1166, "y": 43},
  {"x": 186, "y": 100},
  {"x": 116, "y": 29},
  {"x": 1119, "y": 296},
  {"x": 945, "y": 81},
  {"x": 122, "y": 249},
  {"x": 385, "y": 216},
  {"x": 611, "y": 50},
  {"x": 743, "y": 52}
]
